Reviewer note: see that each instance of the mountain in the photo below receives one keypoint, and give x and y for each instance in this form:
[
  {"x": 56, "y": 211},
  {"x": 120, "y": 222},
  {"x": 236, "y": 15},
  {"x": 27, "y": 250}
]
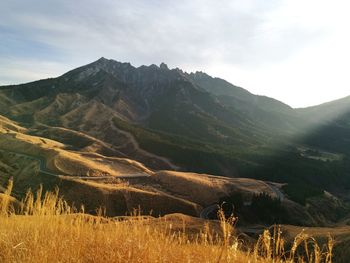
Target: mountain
[
  {"x": 120, "y": 185},
  {"x": 331, "y": 129},
  {"x": 169, "y": 119},
  {"x": 164, "y": 104},
  {"x": 153, "y": 97},
  {"x": 268, "y": 112}
]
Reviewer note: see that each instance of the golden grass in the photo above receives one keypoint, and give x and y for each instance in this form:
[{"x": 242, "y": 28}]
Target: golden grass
[
  {"x": 67, "y": 162},
  {"x": 7, "y": 124},
  {"x": 205, "y": 189},
  {"x": 13, "y": 138},
  {"x": 46, "y": 229}
]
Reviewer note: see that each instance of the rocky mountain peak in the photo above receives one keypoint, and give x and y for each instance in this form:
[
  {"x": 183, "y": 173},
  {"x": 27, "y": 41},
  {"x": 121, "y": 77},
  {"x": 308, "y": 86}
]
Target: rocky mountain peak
[
  {"x": 199, "y": 75},
  {"x": 163, "y": 66},
  {"x": 102, "y": 59}
]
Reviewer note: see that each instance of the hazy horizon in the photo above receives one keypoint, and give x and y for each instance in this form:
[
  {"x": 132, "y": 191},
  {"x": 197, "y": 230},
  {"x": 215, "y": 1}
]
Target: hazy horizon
[{"x": 293, "y": 51}]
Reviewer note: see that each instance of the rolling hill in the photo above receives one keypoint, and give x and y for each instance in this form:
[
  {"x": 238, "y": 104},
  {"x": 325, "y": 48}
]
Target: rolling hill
[
  {"x": 108, "y": 119},
  {"x": 118, "y": 184}
]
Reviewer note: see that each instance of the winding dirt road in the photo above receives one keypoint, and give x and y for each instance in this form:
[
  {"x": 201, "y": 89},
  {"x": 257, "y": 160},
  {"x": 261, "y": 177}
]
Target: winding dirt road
[{"x": 43, "y": 169}]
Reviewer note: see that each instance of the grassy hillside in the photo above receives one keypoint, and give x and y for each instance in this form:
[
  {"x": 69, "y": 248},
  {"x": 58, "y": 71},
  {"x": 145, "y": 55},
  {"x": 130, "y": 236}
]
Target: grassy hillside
[
  {"x": 110, "y": 118},
  {"x": 280, "y": 162},
  {"x": 76, "y": 237},
  {"x": 74, "y": 166}
]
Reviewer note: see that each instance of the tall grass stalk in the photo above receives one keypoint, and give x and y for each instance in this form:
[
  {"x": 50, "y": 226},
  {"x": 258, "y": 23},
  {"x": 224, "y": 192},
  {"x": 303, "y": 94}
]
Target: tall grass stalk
[{"x": 44, "y": 228}]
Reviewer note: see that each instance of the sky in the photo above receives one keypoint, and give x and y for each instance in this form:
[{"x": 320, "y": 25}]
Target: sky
[{"x": 296, "y": 51}]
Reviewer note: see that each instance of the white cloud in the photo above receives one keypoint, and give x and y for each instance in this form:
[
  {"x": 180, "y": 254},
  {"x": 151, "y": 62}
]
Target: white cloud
[
  {"x": 293, "y": 50},
  {"x": 314, "y": 72}
]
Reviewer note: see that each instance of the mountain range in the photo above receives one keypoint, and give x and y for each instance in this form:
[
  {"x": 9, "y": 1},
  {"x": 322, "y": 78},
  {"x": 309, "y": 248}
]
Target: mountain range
[{"x": 156, "y": 118}]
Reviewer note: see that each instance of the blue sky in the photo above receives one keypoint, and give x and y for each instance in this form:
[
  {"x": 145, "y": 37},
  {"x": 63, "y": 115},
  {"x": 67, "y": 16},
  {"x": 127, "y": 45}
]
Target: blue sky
[{"x": 293, "y": 50}]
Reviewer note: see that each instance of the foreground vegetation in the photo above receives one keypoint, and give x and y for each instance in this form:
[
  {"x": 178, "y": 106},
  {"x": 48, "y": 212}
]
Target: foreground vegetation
[{"x": 44, "y": 228}]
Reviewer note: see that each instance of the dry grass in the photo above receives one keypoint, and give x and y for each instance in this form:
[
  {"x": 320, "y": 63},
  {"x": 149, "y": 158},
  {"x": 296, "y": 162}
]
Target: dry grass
[
  {"x": 205, "y": 189},
  {"x": 67, "y": 162},
  {"x": 13, "y": 138},
  {"x": 46, "y": 229}
]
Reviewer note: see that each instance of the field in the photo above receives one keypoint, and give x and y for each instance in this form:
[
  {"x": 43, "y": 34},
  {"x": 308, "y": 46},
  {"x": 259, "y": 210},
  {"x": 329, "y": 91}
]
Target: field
[{"x": 44, "y": 228}]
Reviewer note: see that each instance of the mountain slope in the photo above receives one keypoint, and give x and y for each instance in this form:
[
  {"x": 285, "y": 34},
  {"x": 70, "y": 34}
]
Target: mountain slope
[
  {"x": 118, "y": 184},
  {"x": 154, "y": 98},
  {"x": 168, "y": 119},
  {"x": 270, "y": 113},
  {"x": 331, "y": 125}
]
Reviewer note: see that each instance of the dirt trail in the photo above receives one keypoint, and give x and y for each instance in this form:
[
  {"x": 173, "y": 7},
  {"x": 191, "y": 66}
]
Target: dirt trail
[{"x": 43, "y": 169}]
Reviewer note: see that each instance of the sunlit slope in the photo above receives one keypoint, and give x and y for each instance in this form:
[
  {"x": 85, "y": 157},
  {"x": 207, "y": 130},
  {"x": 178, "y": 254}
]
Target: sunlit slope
[
  {"x": 61, "y": 161},
  {"x": 22, "y": 158},
  {"x": 33, "y": 160},
  {"x": 207, "y": 189}
]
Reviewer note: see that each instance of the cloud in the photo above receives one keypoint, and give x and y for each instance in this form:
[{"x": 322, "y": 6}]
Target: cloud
[
  {"x": 178, "y": 32},
  {"x": 236, "y": 39}
]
